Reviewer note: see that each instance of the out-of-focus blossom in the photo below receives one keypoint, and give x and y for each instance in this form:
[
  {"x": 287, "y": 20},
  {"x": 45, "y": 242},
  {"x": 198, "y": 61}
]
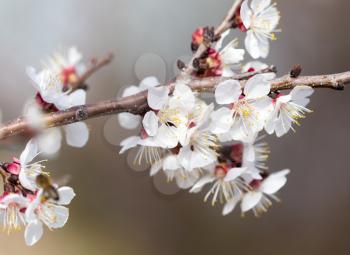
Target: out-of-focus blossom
[
  {"x": 129, "y": 120},
  {"x": 258, "y": 199}
]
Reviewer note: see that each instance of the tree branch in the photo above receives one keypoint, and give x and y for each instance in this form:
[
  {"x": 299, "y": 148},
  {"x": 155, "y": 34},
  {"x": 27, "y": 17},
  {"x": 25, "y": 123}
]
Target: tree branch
[{"x": 137, "y": 104}]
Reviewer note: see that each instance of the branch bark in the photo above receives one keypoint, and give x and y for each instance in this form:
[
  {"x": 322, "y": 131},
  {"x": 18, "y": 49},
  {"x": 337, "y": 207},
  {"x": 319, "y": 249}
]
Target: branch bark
[{"x": 137, "y": 104}]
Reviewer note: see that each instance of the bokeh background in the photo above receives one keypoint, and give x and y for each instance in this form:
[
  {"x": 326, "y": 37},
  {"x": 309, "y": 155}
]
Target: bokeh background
[{"x": 121, "y": 211}]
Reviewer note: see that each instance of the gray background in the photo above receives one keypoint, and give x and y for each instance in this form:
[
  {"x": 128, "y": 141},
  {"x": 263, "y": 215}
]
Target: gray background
[{"x": 119, "y": 211}]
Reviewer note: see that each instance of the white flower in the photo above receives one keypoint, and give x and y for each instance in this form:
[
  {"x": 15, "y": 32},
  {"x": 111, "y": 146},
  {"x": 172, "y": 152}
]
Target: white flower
[
  {"x": 288, "y": 109},
  {"x": 246, "y": 114},
  {"x": 68, "y": 65},
  {"x": 11, "y": 214},
  {"x": 227, "y": 183},
  {"x": 29, "y": 171},
  {"x": 173, "y": 170},
  {"x": 258, "y": 199},
  {"x": 261, "y": 20},
  {"x": 51, "y": 213},
  {"x": 229, "y": 55},
  {"x": 150, "y": 149},
  {"x": 51, "y": 91},
  {"x": 198, "y": 144},
  {"x": 254, "y": 157},
  {"x": 129, "y": 120},
  {"x": 47, "y": 84},
  {"x": 230, "y": 205},
  {"x": 169, "y": 114}
]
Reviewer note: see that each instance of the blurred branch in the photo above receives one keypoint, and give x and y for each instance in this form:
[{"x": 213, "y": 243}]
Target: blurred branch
[
  {"x": 95, "y": 65},
  {"x": 137, "y": 104},
  {"x": 228, "y": 21}
]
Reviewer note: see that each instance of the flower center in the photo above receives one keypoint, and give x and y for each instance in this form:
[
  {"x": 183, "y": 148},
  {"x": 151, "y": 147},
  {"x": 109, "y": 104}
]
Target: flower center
[
  {"x": 237, "y": 153},
  {"x": 69, "y": 75},
  {"x": 255, "y": 184},
  {"x": 170, "y": 117},
  {"x": 221, "y": 170}
]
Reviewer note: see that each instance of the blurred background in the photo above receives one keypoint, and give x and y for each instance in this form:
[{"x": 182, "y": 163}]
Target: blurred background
[{"x": 122, "y": 211}]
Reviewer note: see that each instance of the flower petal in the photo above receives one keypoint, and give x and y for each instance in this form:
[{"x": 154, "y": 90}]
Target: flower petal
[
  {"x": 252, "y": 45},
  {"x": 300, "y": 95},
  {"x": 185, "y": 182},
  {"x": 129, "y": 143},
  {"x": 171, "y": 163},
  {"x": 131, "y": 90},
  {"x": 61, "y": 216},
  {"x": 202, "y": 182},
  {"x": 149, "y": 82},
  {"x": 167, "y": 137},
  {"x": 129, "y": 120},
  {"x": 234, "y": 173},
  {"x": 150, "y": 123},
  {"x": 77, "y": 134},
  {"x": 219, "y": 43},
  {"x": 259, "y": 5},
  {"x": 228, "y": 92},
  {"x": 192, "y": 159},
  {"x": 274, "y": 182},
  {"x": 250, "y": 200},
  {"x": 156, "y": 166},
  {"x": 74, "y": 56},
  {"x": 232, "y": 56},
  {"x": 29, "y": 152},
  {"x": 157, "y": 97},
  {"x": 66, "y": 195},
  {"x": 257, "y": 87},
  {"x": 246, "y": 14},
  {"x": 229, "y": 206},
  {"x": 33, "y": 233},
  {"x": 182, "y": 98},
  {"x": 248, "y": 152},
  {"x": 78, "y": 97},
  {"x": 221, "y": 120},
  {"x": 49, "y": 141}
]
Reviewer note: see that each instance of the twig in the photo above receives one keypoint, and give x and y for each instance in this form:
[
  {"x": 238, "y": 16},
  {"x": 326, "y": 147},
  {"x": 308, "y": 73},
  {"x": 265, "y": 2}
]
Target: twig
[
  {"x": 137, "y": 104},
  {"x": 94, "y": 66},
  {"x": 228, "y": 21}
]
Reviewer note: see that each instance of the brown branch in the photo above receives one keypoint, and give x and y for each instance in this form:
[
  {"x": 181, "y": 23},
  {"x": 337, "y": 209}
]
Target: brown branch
[
  {"x": 228, "y": 21},
  {"x": 331, "y": 81},
  {"x": 95, "y": 65},
  {"x": 137, "y": 104}
]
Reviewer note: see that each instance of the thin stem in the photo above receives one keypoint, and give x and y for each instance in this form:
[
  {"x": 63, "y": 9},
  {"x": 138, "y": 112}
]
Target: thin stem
[{"x": 95, "y": 65}]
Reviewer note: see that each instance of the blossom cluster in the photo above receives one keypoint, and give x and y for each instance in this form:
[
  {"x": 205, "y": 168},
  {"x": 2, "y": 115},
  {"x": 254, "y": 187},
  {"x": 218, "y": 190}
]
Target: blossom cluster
[
  {"x": 57, "y": 88},
  {"x": 216, "y": 145},
  {"x": 29, "y": 199},
  {"x": 200, "y": 143}
]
